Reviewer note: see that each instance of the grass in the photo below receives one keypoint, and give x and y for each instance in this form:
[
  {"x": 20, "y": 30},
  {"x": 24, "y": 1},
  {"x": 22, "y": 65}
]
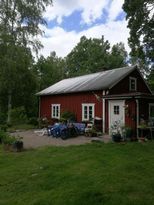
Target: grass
[
  {"x": 21, "y": 127},
  {"x": 92, "y": 174}
]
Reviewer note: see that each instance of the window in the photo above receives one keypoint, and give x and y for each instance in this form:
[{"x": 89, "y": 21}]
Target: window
[
  {"x": 55, "y": 111},
  {"x": 87, "y": 112},
  {"x": 116, "y": 109},
  {"x": 151, "y": 111},
  {"x": 132, "y": 84}
]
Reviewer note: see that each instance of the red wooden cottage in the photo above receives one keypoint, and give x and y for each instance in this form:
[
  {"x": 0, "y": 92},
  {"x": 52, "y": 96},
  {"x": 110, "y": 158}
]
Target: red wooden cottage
[{"x": 114, "y": 95}]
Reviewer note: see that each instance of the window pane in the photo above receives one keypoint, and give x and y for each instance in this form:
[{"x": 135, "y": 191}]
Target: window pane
[
  {"x": 53, "y": 111},
  {"x": 116, "y": 110},
  {"x": 90, "y": 112},
  {"x": 85, "y": 112},
  {"x": 133, "y": 84},
  {"x": 57, "y": 109},
  {"x": 152, "y": 111}
]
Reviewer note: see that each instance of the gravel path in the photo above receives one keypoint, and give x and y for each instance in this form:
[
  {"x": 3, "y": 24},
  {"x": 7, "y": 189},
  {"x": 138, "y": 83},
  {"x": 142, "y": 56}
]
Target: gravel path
[{"x": 32, "y": 139}]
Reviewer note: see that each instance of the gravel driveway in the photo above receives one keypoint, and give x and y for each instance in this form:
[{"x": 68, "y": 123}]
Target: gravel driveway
[{"x": 33, "y": 140}]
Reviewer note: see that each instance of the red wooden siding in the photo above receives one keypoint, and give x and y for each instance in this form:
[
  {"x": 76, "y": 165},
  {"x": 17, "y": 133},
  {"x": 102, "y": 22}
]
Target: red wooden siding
[
  {"x": 123, "y": 86},
  {"x": 71, "y": 102},
  {"x": 130, "y": 113}
]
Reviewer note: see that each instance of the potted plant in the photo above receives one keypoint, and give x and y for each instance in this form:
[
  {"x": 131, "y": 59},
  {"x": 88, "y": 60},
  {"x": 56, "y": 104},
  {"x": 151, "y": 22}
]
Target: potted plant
[
  {"x": 7, "y": 142},
  {"x": 12, "y": 143},
  {"x": 127, "y": 133},
  {"x": 18, "y": 144},
  {"x": 116, "y": 132}
]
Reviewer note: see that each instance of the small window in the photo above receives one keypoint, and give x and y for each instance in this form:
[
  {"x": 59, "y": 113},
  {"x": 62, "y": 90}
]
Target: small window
[
  {"x": 87, "y": 112},
  {"x": 132, "y": 84},
  {"x": 116, "y": 109},
  {"x": 55, "y": 111},
  {"x": 151, "y": 111}
]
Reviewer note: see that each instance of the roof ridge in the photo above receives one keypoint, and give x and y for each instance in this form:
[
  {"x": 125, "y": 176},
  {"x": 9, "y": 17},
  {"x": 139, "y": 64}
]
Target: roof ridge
[{"x": 125, "y": 67}]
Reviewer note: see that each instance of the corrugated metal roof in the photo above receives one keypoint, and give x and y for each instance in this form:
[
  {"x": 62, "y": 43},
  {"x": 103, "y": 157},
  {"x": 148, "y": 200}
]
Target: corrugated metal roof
[{"x": 96, "y": 81}]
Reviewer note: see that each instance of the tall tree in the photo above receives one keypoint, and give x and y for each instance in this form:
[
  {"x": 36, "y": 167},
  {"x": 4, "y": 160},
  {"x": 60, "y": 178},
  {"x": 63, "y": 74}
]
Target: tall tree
[
  {"x": 89, "y": 55},
  {"x": 19, "y": 23},
  {"x": 118, "y": 56},
  {"x": 140, "y": 16},
  {"x": 49, "y": 70},
  {"x": 92, "y": 55}
]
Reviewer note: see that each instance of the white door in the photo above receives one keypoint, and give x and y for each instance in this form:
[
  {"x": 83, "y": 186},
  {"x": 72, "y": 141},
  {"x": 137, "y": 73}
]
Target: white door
[{"x": 116, "y": 112}]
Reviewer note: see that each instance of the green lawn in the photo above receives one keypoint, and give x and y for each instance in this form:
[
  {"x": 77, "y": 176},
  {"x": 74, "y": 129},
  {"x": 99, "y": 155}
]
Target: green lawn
[{"x": 93, "y": 174}]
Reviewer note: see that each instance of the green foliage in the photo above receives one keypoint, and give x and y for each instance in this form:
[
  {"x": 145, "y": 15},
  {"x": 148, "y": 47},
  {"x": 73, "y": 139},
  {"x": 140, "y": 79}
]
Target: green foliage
[
  {"x": 3, "y": 134},
  {"x": 20, "y": 22},
  {"x": 151, "y": 80},
  {"x": 68, "y": 116},
  {"x": 118, "y": 56},
  {"x": 49, "y": 70},
  {"x": 140, "y": 16},
  {"x": 2, "y": 118},
  {"x": 5, "y": 138},
  {"x": 92, "y": 55},
  {"x": 92, "y": 174},
  {"x": 3, "y": 127},
  {"x": 18, "y": 115},
  {"x": 33, "y": 121},
  {"x": 9, "y": 140}
]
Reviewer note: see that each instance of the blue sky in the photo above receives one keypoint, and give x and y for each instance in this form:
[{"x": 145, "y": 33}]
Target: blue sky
[{"x": 68, "y": 20}]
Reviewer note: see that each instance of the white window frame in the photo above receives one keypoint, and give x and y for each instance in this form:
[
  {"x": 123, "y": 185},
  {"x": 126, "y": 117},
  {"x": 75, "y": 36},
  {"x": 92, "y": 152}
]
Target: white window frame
[
  {"x": 57, "y": 114},
  {"x": 130, "y": 83},
  {"x": 83, "y": 109}
]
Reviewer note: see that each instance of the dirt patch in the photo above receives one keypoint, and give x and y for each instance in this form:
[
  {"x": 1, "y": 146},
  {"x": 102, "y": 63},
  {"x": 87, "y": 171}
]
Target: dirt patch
[{"x": 34, "y": 140}]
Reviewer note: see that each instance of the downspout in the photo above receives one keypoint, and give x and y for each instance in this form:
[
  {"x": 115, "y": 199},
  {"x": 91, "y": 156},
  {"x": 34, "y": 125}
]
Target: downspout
[{"x": 137, "y": 117}]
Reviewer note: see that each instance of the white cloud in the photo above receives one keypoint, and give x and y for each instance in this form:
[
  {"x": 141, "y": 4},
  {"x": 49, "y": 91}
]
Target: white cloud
[
  {"x": 114, "y": 9},
  {"x": 63, "y": 42},
  {"x": 60, "y": 9},
  {"x": 58, "y": 40},
  {"x": 90, "y": 10}
]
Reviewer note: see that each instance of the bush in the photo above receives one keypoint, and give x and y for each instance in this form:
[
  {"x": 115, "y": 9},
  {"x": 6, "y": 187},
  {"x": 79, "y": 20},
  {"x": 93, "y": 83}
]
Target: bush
[
  {"x": 3, "y": 136},
  {"x": 68, "y": 116},
  {"x": 33, "y": 121},
  {"x": 3, "y": 127},
  {"x": 2, "y": 118},
  {"x": 18, "y": 115}
]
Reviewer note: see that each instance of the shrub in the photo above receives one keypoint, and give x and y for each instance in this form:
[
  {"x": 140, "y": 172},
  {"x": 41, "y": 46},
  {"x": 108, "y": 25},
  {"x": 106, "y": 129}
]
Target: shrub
[
  {"x": 3, "y": 127},
  {"x": 3, "y": 136},
  {"x": 18, "y": 115},
  {"x": 2, "y": 118},
  {"x": 33, "y": 121},
  {"x": 68, "y": 116}
]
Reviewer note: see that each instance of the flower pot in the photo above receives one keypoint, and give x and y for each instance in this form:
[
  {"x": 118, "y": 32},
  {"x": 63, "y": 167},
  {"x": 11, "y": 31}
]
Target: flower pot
[
  {"x": 18, "y": 146},
  {"x": 7, "y": 147},
  {"x": 116, "y": 137}
]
